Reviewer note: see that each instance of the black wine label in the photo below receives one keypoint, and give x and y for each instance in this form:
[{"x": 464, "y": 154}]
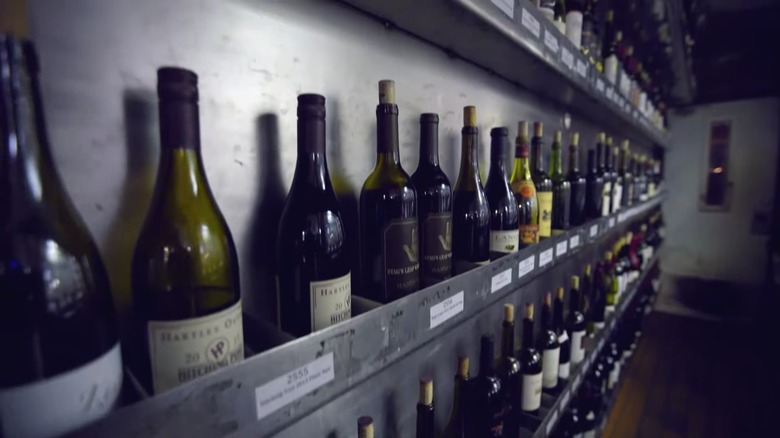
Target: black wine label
[
  {"x": 436, "y": 248},
  {"x": 401, "y": 256}
]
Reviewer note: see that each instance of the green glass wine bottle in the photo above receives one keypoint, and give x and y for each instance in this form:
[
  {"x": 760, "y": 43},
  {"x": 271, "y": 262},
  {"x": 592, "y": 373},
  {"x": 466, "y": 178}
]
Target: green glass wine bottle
[
  {"x": 525, "y": 191},
  {"x": 542, "y": 182},
  {"x": 561, "y": 189}
]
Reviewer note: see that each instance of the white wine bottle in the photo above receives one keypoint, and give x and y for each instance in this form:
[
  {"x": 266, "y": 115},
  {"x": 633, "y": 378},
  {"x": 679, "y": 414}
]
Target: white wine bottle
[
  {"x": 185, "y": 269},
  {"x": 61, "y": 366}
]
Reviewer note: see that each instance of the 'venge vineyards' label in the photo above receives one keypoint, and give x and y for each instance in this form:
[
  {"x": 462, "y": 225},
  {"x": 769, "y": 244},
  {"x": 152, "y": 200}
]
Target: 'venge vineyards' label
[
  {"x": 504, "y": 242},
  {"x": 401, "y": 258},
  {"x": 545, "y": 213},
  {"x": 331, "y": 301},
  {"x": 184, "y": 350},
  {"x": 437, "y": 248}
]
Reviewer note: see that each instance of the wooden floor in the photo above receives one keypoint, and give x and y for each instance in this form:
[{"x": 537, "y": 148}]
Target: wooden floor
[{"x": 695, "y": 378}]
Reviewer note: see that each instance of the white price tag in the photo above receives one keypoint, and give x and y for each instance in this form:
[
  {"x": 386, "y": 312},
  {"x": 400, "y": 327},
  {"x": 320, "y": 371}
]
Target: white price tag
[
  {"x": 560, "y": 248},
  {"x": 582, "y": 68},
  {"x": 507, "y": 6},
  {"x": 500, "y": 280},
  {"x": 526, "y": 266},
  {"x": 594, "y": 230},
  {"x": 611, "y": 222},
  {"x": 565, "y": 398},
  {"x": 621, "y": 217},
  {"x": 446, "y": 309},
  {"x": 550, "y": 41},
  {"x": 551, "y": 423},
  {"x": 545, "y": 257},
  {"x": 608, "y": 93},
  {"x": 600, "y": 85},
  {"x": 289, "y": 387},
  {"x": 567, "y": 58},
  {"x": 531, "y": 23},
  {"x": 574, "y": 241}
]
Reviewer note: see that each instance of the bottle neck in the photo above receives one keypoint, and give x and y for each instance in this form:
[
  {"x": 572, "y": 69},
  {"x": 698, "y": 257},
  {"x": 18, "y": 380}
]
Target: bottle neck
[
  {"x": 429, "y": 143},
  {"x": 528, "y": 333},
  {"x": 181, "y": 168},
  {"x": 592, "y": 169},
  {"x": 486, "y": 361},
  {"x": 312, "y": 166},
  {"x": 456, "y": 416},
  {"x": 469, "y": 166},
  {"x": 537, "y": 155},
  {"x": 558, "y": 314},
  {"x": 574, "y": 300},
  {"x": 387, "y": 133},
  {"x": 521, "y": 171},
  {"x": 546, "y": 318},
  {"x": 497, "y": 163},
  {"x": 574, "y": 159},
  {"x": 600, "y": 157},
  {"x": 556, "y": 164},
  {"x": 508, "y": 339}
]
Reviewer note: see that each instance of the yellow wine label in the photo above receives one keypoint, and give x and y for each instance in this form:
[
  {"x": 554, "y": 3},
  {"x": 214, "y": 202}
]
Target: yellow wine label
[
  {"x": 186, "y": 349},
  {"x": 331, "y": 301},
  {"x": 545, "y": 213},
  {"x": 529, "y": 234}
]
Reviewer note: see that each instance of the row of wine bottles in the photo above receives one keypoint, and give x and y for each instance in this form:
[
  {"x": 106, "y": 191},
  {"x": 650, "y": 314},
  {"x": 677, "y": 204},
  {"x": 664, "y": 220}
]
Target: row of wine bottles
[{"x": 507, "y": 392}]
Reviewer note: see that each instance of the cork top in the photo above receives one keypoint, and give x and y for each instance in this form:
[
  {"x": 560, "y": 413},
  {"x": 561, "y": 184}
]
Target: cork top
[
  {"x": 547, "y": 298},
  {"x": 509, "y": 313},
  {"x": 624, "y": 144},
  {"x": 587, "y": 269},
  {"x": 560, "y": 293},
  {"x": 426, "y": 391},
  {"x": 529, "y": 310},
  {"x": 643, "y": 228},
  {"x": 601, "y": 137},
  {"x": 609, "y": 141},
  {"x": 616, "y": 150},
  {"x": 463, "y": 366},
  {"x": 557, "y": 137},
  {"x": 469, "y": 115},
  {"x": 538, "y": 129},
  {"x": 575, "y": 138},
  {"x": 575, "y": 280},
  {"x": 387, "y": 91},
  {"x": 522, "y": 129},
  {"x": 365, "y": 427}
]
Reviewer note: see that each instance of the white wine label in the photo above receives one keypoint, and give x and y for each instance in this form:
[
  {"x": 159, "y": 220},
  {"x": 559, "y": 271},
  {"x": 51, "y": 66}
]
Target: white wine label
[
  {"x": 531, "y": 398},
  {"x": 563, "y": 370},
  {"x": 617, "y": 194},
  {"x": 577, "y": 346},
  {"x": 561, "y": 248},
  {"x": 506, "y": 6},
  {"x": 574, "y": 28},
  {"x": 526, "y": 266},
  {"x": 62, "y": 403},
  {"x": 184, "y": 350},
  {"x": 531, "y": 23},
  {"x": 500, "y": 280},
  {"x": 289, "y": 387},
  {"x": 610, "y": 68},
  {"x": 331, "y": 301},
  {"x": 550, "y": 362},
  {"x": 606, "y": 200},
  {"x": 545, "y": 257},
  {"x": 504, "y": 241},
  {"x": 447, "y": 309}
]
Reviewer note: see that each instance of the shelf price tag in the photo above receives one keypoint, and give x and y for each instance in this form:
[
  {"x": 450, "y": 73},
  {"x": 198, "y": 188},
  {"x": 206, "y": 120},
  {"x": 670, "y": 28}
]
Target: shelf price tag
[
  {"x": 611, "y": 222},
  {"x": 446, "y": 309},
  {"x": 574, "y": 241},
  {"x": 289, "y": 387},
  {"x": 594, "y": 230},
  {"x": 550, "y": 41},
  {"x": 526, "y": 266},
  {"x": 507, "y": 6},
  {"x": 600, "y": 85},
  {"x": 582, "y": 68},
  {"x": 545, "y": 257},
  {"x": 531, "y": 23},
  {"x": 561, "y": 248},
  {"x": 567, "y": 58},
  {"x": 500, "y": 280},
  {"x": 551, "y": 423}
]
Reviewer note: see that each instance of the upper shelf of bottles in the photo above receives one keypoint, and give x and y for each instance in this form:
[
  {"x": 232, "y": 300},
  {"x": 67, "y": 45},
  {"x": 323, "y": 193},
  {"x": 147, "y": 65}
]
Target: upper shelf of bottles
[
  {"x": 274, "y": 389},
  {"x": 513, "y": 39}
]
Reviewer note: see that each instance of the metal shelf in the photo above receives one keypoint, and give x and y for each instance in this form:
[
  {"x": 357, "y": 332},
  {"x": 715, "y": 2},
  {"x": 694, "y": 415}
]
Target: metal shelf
[
  {"x": 270, "y": 391},
  {"x": 513, "y": 39}
]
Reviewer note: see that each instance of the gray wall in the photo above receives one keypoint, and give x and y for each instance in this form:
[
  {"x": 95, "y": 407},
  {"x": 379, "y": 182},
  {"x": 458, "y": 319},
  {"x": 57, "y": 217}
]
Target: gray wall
[{"x": 720, "y": 245}]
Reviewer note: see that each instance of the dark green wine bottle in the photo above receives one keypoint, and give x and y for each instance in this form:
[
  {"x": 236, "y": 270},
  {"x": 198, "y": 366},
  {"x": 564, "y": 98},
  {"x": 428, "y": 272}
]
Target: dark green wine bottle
[
  {"x": 549, "y": 346},
  {"x": 594, "y": 188},
  {"x": 603, "y": 154},
  {"x": 389, "y": 247},
  {"x": 504, "y": 230},
  {"x": 577, "y": 183},
  {"x": 426, "y": 424},
  {"x": 575, "y": 322},
  {"x": 525, "y": 191},
  {"x": 561, "y": 189},
  {"x": 509, "y": 372},
  {"x": 530, "y": 367},
  {"x": 625, "y": 175},
  {"x": 457, "y": 423},
  {"x": 470, "y": 211},
  {"x": 434, "y": 206},
  {"x": 313, "y": 263},
  {"x": 542, "y": 182},
  {"x": 61, "y": 366},
  {"x": 486, "y": 396},
  {"x": 185, "y": 268}
]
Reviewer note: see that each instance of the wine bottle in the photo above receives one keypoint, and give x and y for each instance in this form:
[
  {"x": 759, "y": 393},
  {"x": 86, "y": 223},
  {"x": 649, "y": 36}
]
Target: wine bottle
[
  {"x": 457, "y": 424},
  {"x": 563, "y": 336},
  {"x": 559, "y": 13},
  {"x": 627, "y": 180},
  {"x": 611, "y": 278},
  {"x": 603, "y": 153},
  {"x": 313, "y": 264},
  {"x": 365, "y": 427},
  {"x": 614, "y": 373},
  {"x": 577, "y": 184},
  {"x": 504, "y": 228},
  {"x": 425, "y": 416},
  {"x": 470, "y": 210},
  {"x": 549, "y": 346},
  {"x": 575, "y": 323},
  {"x": 185, "y": 267},
  {"x": 509, "y": 373},
  {"x": 434, "y": 206},
  {"x": 587, "y": 295},
  {"x": 388, "y": 213},
  {"x": 486, "y": 398},
  {"x": 612, "y": 38},
  {"x": 62, "y": 365},
  {"x": 530, "y": 367},
  {"x": 525, "y": 191},
  {"x": 601, "y": 287},
  {"x": 594, "y": 188},
  {"x": 617, "y": 181},
  {"x": 542, "y": 182},
  {"x": 574, "y": 15},
  {"x": 561, "y": 189}
]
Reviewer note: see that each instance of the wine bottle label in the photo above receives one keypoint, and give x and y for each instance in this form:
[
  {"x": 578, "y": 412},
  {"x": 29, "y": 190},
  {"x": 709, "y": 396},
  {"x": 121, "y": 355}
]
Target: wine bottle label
[
  {"x": 650, "y": 189},
  {"x": 574, "y": 28},
  {"x": 577, "y": 346},
  {"x": 529, "y": 234},
  {"x": 331, "y": 301},
  {"x": 401, "y": 256},
  {"x": 186, "y": 349},
  {"x": 617, "y": 195},
  {"x": 504, "y": 241},
  {"x": 563, "y": 370},
  {"x": 550, "y": 361},
  {"x": 560, "y": 25},
  {"x": 62, "y": 403},
  {"x": 606, "y": 199},
  {"x": 610, "y": 68},
  {"x": 437, "y": 248},
  {"x": 549, "y": 13},
  {"x": 531, "y": 397},
  {"x": 545, "y": 213}
]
